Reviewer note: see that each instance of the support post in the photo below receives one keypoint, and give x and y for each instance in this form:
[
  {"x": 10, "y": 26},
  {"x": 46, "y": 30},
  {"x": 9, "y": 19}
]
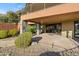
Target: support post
[
  {"x": 38, "y": 29},
  {"x": 21, "y": 26},
  {"x": 25, "y": 24}
]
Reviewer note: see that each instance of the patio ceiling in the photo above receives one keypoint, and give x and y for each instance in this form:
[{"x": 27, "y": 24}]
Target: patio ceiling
[{"x": 59, "y": 13}]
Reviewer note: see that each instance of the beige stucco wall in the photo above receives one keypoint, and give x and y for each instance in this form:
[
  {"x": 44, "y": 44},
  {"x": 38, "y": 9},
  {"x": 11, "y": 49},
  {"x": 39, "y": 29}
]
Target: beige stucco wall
[
  {"x": 54, "y": 10},
  {"x": 68, "y": 29}
]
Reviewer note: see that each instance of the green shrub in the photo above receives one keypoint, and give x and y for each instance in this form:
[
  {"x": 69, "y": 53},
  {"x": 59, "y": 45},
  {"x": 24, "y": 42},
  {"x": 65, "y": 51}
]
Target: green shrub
[
  {"x": 31, "y": 28},
  {"x": 12, "y": 32},
  {"x": 3, "y": 34},
  {"x": 24, "y": 40}
]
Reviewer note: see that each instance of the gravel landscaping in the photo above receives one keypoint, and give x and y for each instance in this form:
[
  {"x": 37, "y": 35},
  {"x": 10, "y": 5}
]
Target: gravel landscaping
[
  {"x": 37, "y": 50},
  {"x": 42, "y": 45},
  {"x": 71, "y": 52},
  {"x": 7, "y": 42}
]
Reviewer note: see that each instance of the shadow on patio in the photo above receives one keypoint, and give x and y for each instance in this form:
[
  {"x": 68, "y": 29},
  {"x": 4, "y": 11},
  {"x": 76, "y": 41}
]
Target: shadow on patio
[
  {"x": 36, "y": 39},
  {"x": 50, "y": 53}
]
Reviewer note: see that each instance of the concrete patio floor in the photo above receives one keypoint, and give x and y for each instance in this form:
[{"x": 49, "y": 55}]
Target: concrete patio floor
[{"x": 56, "y": 41}]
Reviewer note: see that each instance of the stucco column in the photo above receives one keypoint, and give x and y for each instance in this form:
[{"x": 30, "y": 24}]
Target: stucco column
[
  {"x": 68, "y": 29},
  {"x": 44, "y": 28},
  {"x": 23, "y": 26},
  {"x": 38, "y": 29}
]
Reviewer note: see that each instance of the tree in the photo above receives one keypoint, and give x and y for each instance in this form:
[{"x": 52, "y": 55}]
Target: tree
[
  {"x": 12, "y": 17},
  {"x": 3, "y": 18},
  {"x": 25, "y": 9}
]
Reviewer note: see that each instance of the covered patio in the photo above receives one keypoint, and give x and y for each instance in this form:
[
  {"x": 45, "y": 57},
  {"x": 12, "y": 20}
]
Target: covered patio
[{"x": 65, "y": 14}]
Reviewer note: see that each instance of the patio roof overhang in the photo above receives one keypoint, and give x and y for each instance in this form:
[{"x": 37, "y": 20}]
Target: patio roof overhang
[{"x": 56, "y": 14}]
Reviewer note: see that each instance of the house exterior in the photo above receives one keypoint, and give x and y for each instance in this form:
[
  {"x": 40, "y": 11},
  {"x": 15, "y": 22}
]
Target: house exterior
[{"x": 59, "y": 18}]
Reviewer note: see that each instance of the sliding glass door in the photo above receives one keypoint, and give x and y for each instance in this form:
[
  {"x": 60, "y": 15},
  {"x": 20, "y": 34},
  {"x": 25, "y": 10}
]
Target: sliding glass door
[
  {"x": 54, "y": 28},
  {"x": 76, "y": 29}
]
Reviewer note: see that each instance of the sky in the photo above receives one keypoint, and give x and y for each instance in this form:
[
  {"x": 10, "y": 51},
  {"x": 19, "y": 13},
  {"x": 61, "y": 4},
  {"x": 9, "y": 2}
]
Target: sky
[{"x": 4, "y": 7}]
